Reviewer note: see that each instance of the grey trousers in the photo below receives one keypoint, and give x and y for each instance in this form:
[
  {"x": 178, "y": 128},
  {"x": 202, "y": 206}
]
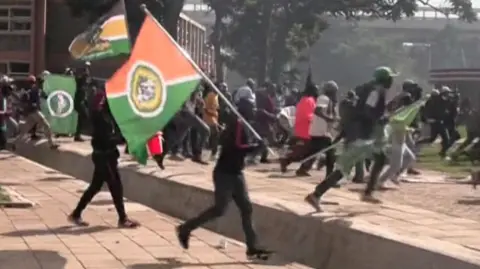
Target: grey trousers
[
  {"x": 32, "y": 119},
  {"x": 401, "y": 158}
]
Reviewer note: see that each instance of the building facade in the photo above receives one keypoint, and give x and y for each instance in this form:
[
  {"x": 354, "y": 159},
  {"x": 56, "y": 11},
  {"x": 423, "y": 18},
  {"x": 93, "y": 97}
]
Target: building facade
[{"x": 35, "y": 36}]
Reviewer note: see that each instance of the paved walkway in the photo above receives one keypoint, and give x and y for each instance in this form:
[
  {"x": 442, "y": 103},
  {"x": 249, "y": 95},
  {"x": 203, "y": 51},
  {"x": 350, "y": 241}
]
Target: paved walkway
[
  {"x": 431, "y": 191},
  {"x": 41, "y": 238},
  {"x": 433, "y": 210}
]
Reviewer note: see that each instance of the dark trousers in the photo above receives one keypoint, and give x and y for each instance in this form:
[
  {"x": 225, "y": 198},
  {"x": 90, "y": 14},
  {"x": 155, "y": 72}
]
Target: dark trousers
[
  {"x": 214, "y": 139},
  {"x": 33, "y": 131},
  {"x": 228, "y": 187},
  {"x": 379, "y": 161},
  {"x": 437, "y": 128},
  {"x": 105, "y": 170},
  {"x": 3, "y": 136},
  {"x": 318, "y": 144},
  {"x": 333, "y": 178},
  {"x": 298, "y": 150},
  {"x": 82, "y": 118}
]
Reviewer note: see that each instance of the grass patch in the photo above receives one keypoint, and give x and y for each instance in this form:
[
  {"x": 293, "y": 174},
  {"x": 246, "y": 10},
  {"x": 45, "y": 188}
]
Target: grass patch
[
  {"x": 3, "y": 196},
  {"x": 430, "y": 160}
]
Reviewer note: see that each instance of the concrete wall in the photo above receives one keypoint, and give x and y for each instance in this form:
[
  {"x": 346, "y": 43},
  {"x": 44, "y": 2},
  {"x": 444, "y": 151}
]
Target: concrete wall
[{"x": 318, "y": 242}]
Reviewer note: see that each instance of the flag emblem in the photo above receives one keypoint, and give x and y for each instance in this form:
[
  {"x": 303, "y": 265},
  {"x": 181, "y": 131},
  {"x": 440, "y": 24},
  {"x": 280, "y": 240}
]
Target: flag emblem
[
  {"x": 60, "y": 104},
  {"x": 150, "y": 88},
  {"x": 146, "y": 86}
]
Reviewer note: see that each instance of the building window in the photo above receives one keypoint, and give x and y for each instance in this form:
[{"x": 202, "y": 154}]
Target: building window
[
  {"x": 4, "y": 26},
  {"x": 17, "y": 2},
  {"x": 4, "y": 12},
  {"x": 19, "y": 68},
  {"x": 20, "y": 26},
  {"x": 9, "y": 42},
  {"x": 21, "y": 12},
  {"x": 3, "y": 68}
]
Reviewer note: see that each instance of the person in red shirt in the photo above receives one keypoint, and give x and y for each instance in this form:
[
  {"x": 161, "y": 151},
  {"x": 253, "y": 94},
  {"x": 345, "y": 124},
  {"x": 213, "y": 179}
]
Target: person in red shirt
[{"x": 303, "y": 118}]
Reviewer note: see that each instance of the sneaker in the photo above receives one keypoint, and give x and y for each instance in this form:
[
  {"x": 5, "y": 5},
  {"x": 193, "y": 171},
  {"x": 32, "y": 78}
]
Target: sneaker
[
  {"x": 283, "y": 165},
  {"x": 413, "y": 172},
  {"x": 199, "y": 161},
  {"x": 128, "y": 224},
  {"x": 12, "y": 147},
  {"x": 368, "y": 198},
  {"x": 54, "y": 146},
  {"x": 78, "y": 221},
  {"x": 302, "y": 173},
  {"x": 78, "y": 139},
  {"x": 183, "y": 237},
  {"x": 175, "y": 157},
  {"x": 258, "y": 254},
  {"x": 312, "y": 200}
]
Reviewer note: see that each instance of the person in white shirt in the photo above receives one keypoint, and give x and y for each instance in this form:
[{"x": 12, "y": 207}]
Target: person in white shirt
[
  {"x": 245, "y": 92},
  {"x": 321, "y": 128}
]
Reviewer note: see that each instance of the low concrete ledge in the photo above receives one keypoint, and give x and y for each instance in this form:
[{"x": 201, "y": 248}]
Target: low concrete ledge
[{"x": 285, "y": 226}]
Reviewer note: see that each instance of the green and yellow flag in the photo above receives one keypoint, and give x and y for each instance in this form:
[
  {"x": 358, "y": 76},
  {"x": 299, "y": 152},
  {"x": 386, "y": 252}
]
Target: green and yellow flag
[
  {"x": 58, "y": 108},
  {"x": 151, "y": 87},
  {"x": 107, "y": 37}
]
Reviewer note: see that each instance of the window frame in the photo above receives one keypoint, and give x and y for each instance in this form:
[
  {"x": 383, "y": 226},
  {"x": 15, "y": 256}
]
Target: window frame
[
  {"x": 21, "y": 19},
  {"x": 9, "y": 69}
]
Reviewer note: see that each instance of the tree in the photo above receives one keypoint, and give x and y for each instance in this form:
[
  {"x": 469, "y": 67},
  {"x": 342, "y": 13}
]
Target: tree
[
  {"x": 92, "y": 9},
  {"x": 166, "y": 12},
  {"x": 223, "y": 11},
  {"x": 447, "y": 49},
  {"x": 349, "y": 56},
  {"x": 265, "y": 36}
]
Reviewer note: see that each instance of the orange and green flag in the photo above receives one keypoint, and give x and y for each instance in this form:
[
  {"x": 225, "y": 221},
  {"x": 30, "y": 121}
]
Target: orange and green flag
[
  {"x": 151, "y": 87},
  {"x": 107, "y": 37}
]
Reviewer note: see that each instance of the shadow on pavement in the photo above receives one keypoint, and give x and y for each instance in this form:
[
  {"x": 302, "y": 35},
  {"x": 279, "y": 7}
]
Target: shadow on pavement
[
  {"x": 173, "y": 263},
  {"x": 180, "y": 175},
  {"x": 469, "y": 202},
  {"x": 55, "y": 179},
  {"x": 67, "y": 230},
  {"x": 10, "y": 184},
  {"x": 31, "y": 259}
]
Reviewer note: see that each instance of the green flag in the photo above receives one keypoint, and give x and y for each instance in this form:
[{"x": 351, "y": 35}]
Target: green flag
[
  {"x": 406, "y": 115},
  {"x": 106, "y": 38},
  {"x": 150, "y": 88},
  {"x": 58, "y": 108}
]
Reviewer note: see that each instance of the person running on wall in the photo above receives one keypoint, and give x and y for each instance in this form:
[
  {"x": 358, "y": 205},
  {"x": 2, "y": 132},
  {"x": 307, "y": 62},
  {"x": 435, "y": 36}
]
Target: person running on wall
[{"x": 229, "y": 183}]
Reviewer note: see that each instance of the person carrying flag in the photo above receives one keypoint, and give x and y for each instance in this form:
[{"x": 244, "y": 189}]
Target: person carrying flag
[{"x": 105, "y": 160}]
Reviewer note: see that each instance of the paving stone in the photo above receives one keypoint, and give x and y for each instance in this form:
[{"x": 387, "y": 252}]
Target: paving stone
[{"x": 41, "y": 238}]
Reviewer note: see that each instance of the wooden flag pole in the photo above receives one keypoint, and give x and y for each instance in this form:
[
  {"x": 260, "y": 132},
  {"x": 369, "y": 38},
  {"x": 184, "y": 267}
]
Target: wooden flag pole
[{"x": 205, "y": 77}]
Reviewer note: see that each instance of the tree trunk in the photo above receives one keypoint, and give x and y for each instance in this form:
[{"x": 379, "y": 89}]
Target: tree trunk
[
  {"x": 172, "y": 11},
  {"x": 264, "y": 43},
  {"x": 217, "y": 45},
  {"x": 279, "y": 54}
]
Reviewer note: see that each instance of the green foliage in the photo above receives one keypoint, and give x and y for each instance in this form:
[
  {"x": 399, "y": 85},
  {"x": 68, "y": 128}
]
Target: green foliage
[
  {"x": 266, "y": 36},
  {"x": 165, "y": 11},
  {"x": 92, "y": 9}
]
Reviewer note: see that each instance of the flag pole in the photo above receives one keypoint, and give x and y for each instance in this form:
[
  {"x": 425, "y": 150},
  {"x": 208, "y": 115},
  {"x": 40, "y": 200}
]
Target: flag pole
[{"x": 204, "y": 76}]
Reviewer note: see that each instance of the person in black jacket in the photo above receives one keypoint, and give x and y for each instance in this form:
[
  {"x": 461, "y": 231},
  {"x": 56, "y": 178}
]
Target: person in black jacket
[
  {"x": 365, "y": 140},
  {"x": 229, "y": 183},
  {"x": 79, "y": 102},
  {"x": 105, "y": 160}
]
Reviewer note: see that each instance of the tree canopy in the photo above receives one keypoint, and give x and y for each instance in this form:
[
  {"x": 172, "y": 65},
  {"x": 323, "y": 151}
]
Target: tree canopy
[
  {"x": 264, "y": 37},
  {"x": 166, "y": 12}
]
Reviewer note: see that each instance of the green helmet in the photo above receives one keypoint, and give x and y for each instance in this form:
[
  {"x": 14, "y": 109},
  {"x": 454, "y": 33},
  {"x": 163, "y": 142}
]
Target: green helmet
[{"x": 383, "y": 72}]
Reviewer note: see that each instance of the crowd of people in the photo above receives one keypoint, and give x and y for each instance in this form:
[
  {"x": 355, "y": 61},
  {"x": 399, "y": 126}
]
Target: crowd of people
[{"x": 320, "y": 121}]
